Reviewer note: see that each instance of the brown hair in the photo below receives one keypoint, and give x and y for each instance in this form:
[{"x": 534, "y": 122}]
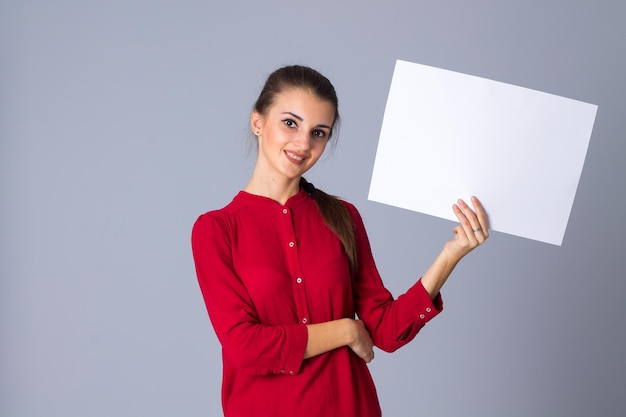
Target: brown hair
[{"x": 335, "y": 214}]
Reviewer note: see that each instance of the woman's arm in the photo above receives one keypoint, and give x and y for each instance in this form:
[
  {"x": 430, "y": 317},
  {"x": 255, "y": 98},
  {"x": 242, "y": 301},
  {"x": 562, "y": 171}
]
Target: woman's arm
[
  {"x": 324, "y": 337},
  {"x": 392, "y": 323},
  {"x": 248, "y": 344}
]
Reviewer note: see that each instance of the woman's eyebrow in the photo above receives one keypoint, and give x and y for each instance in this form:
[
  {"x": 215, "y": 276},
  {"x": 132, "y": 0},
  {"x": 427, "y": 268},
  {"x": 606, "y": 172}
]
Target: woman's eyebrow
[
  {"x": 294, "y": 115},
  {"x": 301, "y": 119}
]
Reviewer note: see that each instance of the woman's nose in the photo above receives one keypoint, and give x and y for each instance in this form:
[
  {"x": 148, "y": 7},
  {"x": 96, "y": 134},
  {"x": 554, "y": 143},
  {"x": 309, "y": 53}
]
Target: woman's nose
[{"x": 303, "y": 140}]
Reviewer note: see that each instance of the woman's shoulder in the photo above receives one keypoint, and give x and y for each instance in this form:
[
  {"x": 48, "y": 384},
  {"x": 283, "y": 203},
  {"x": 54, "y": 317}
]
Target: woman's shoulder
[
  {"x": 223, "y": 214},
  {"x": 243, "y": 207},
  {"x": 354, "y": 211},
  {"x": 239, "y": 201}
]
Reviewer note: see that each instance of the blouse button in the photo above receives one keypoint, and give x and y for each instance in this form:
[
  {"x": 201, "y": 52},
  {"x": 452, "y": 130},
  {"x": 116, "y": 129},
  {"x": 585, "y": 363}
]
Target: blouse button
[
  {"x": 290, "y": 372},
  {"x": 291, "y": 244},
  {"x": 428, "y": 309},
  {"x": 304, "y": 320},
  {"x": 422, "y": 316},
  {"x": 284, "y": 211},
  {"x": 299, "y": 280}
]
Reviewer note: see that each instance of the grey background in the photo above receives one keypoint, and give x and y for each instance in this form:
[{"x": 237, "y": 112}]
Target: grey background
[{"x": 122, "y": 121}]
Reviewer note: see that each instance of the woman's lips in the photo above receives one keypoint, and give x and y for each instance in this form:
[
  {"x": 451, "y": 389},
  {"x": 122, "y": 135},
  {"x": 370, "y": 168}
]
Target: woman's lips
[{"x": 295, "y": 157}]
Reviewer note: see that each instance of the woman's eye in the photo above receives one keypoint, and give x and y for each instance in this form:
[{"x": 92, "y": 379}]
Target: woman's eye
[
  {"x": 289, "y": 123},
  {"x": 319, "y": 133}
]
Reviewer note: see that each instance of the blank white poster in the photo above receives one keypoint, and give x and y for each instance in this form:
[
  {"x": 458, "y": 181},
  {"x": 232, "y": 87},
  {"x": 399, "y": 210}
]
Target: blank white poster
[{"x": 447, "y": 135}]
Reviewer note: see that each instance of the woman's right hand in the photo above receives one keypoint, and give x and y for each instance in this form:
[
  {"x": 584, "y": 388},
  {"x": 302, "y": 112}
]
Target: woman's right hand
[{"x": 362, "y": 344}]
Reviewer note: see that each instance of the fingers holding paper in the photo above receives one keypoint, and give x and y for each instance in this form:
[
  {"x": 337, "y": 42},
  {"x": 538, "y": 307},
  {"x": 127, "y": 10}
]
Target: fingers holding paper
[{"x": 473, "y": 228}]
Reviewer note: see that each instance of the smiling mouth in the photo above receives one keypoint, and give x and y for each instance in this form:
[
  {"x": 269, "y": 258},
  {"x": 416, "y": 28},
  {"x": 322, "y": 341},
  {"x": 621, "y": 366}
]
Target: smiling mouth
[{"x": 295, "y": 158}]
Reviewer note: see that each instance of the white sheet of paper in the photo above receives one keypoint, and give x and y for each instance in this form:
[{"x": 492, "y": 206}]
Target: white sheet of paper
[{"x": 447, "y": 135}]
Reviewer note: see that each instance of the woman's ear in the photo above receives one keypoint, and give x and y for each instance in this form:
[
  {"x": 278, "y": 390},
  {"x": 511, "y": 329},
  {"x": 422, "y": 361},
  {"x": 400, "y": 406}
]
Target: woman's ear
[{"x": 256, "y": 123}]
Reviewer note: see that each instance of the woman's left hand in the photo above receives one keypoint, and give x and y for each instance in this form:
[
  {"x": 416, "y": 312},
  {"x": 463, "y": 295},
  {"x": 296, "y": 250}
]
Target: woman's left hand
[{"x": 472, "y": 231}]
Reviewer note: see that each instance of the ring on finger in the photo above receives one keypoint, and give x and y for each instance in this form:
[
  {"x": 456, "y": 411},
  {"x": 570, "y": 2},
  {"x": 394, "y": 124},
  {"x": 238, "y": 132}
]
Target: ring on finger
[{"x": 477, "y": 229}]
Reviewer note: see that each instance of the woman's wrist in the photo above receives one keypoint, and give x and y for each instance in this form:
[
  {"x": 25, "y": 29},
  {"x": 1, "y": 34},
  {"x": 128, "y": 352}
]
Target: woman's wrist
[
  {"x": 436, "y": 276},
  {"x": 349, "y": 331}
]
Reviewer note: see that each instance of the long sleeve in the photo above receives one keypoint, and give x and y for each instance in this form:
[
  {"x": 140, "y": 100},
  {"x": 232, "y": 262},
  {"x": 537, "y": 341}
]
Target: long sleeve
[
  {"x": 392, "y": 323},
  {"x": 251, "y": 346}
]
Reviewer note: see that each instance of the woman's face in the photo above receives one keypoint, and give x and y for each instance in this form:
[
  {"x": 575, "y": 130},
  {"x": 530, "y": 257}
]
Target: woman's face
[{"x": 293, "y": 133}]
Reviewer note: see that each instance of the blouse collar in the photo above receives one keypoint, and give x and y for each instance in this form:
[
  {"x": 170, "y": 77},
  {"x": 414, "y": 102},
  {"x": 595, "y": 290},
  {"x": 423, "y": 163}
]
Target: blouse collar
[{"x": 246, "y": 197}]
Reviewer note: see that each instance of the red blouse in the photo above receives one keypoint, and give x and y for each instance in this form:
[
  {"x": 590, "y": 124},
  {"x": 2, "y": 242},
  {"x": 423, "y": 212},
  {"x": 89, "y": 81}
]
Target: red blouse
[{"x": 265, "y": 271}]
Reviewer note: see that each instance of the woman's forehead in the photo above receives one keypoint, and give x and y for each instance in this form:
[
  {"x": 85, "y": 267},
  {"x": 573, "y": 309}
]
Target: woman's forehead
[{"x": 304, "y": 103}]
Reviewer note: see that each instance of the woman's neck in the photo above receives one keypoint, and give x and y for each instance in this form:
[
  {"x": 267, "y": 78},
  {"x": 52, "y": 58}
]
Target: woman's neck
[{"x": 278, "y": 189}]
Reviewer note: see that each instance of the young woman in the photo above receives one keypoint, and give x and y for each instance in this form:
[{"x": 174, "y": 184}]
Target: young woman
[{"x": 285, "y": 271}]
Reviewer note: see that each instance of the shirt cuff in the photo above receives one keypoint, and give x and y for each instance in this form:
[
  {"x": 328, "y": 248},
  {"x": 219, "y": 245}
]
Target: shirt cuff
[{"x": 294, "y": 350}]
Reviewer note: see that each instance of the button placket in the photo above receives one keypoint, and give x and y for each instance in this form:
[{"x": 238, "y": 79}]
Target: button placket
[{"x": 294, "y": 265}]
